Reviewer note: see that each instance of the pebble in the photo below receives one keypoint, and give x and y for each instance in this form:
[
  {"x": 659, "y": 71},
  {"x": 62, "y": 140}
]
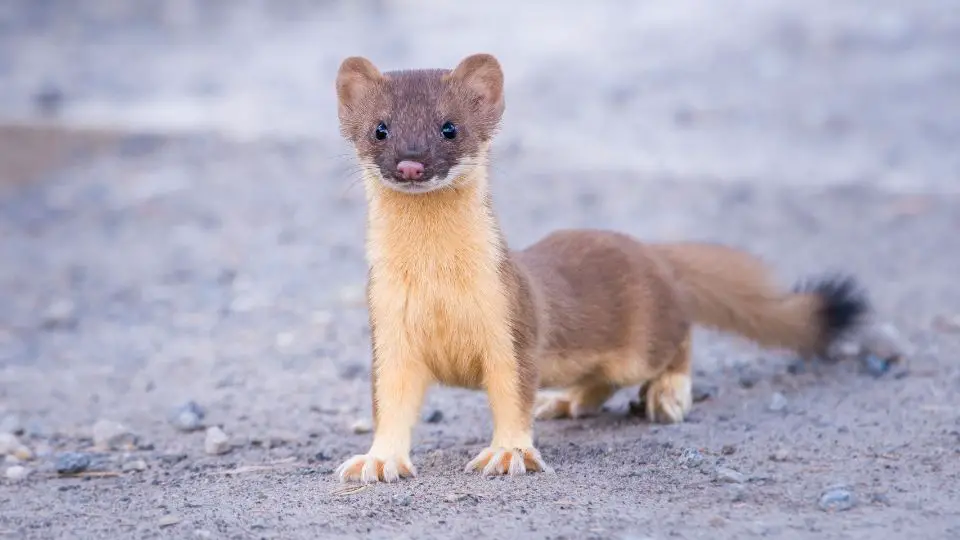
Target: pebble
[
  {"x": 435, "y": 417},
  {"x": 61, "y": 314},
  {"x": 703, "y": 392},
  {"x": 321, "y": 318},
  {"x": 188, "y": 417},
  {"x": 168, "y": 521},
  {"x": 781, "y": 455},
  {"x": 11, "y": 423},
  {"x": 10, "y": 445},
  {"x": 110, "y": 435},
  {"x": 947, "y": 323},
  {"x": 876, "y": 366},
  {"x": 738, "y": 493},
  {"x": 728, "y": 449},
  {"x": 460, "y": 497},
  {"x": 778, "y": 402},
  {"x": 17, "y": 473},
  {"x": 748, "y": 378},
  {"x": 361, "y": 426},
  {"x": 885, "y": 342},
  {"x": 797, "y": 366},
  {"x": 135, "y": 465},
  {"x": 691, "y": 458},
  {"x": 216, "y": 442},
  {"x": 845, "y": 349},
  {"x": 284, "y": 340},
  {"x": 725, "y": 475},
  {"x": 837, "y": 499},
  {"x": 49, "y": 99},
  {"x": 353, "y": 295},
  {"x": 402, "y": 500},
  {"x": 72, "y": 463}
]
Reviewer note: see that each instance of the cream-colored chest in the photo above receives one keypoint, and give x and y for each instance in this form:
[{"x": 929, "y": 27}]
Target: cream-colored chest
[{"x": 445, "y": 319}]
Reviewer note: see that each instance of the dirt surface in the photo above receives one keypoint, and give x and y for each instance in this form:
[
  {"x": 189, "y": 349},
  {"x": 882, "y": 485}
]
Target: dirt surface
[{"x": 179, "y": 221}]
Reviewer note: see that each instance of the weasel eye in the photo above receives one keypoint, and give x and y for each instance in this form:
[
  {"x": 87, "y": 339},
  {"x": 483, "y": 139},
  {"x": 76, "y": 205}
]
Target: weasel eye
[
  {"x": 448, "y": 130},
  {"x": 381, "y": 131}
]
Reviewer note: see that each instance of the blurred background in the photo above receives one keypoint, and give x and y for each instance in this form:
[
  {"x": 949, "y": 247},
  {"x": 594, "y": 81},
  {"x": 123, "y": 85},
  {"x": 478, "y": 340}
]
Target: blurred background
[{"x": 180, "y": 220}]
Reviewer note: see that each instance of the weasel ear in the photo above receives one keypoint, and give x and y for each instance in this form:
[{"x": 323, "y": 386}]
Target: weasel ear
[
  {"x": 480, "y": 74},
  {"x": 356, "y": 78}
]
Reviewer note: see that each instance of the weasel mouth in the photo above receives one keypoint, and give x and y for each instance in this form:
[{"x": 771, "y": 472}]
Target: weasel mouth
[{"x": 424, "y": 184}]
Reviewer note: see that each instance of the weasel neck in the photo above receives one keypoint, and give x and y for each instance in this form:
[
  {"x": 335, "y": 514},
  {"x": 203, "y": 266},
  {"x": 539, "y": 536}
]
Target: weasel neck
[{"x": 451, "y": 232}]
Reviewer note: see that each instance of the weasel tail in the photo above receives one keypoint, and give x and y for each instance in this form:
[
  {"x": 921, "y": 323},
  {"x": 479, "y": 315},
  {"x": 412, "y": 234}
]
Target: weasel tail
[{"x": 732, "y": 291}]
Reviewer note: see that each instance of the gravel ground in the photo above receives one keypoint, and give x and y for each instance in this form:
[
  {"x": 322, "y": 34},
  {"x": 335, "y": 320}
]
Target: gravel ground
[{"x": 180, "y": 223}]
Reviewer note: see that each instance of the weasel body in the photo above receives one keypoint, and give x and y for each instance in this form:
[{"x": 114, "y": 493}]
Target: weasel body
[{"x": 584, "y": 311}]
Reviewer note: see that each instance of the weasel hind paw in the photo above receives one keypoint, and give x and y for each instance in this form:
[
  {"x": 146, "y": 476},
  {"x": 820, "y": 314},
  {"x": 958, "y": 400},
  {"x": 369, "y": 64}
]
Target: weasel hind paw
[
  {"x": 550, "y": 406},
  {"x": 368, "y": 469},
  {"x": 503, "y": 461},
  {"x": 669, "y": 398}
]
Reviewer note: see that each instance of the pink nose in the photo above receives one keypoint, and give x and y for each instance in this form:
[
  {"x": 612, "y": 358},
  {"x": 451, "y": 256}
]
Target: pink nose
[{"x": 410, "y": 170}]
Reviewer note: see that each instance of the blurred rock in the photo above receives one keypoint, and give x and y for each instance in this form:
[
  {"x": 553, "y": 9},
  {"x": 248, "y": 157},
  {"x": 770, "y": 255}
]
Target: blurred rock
[
  {"x": 216, "y": 441},
  {"x": 188, "y": 417},
  {"x": 110, "y": 435},
  {"x": 59, "y": 315},
  {"x": 837, "y": 499},
  {"x": 361, "y": 426},
  {"x": 17, "y": 473},
  {"x": 49, "y": 100},
  {"x": 11, "y": 423},
  {"x": 778, "y": 403},
  {"x": 72, "y": 463},
  {"x": 885, "y": 342},
  {"x": 10, "y": 445}
]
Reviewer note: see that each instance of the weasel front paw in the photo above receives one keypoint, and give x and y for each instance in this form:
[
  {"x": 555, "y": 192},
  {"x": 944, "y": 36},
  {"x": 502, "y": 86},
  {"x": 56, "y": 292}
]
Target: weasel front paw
[
  {"x": 669, "y": 398},
  {"x": 499, "y": 461},
  {"x": 368, "y": 468}
]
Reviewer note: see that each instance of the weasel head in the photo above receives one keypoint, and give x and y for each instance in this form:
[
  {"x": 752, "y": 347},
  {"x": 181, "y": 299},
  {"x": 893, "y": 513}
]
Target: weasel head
[{"x": 417, "y": 131}]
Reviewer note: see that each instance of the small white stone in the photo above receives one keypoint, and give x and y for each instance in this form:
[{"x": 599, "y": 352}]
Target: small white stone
[
  {"x": 17, "y": 473},
  {"x": 216, "y": 441},
  {"x": 322, "y": 318},
  {"x": 134, "y": 466},
  {"x": 10, "y": 445},
  {"x": 11, "y": 423},
  {"x": 284, "y": 340},
  {"x": 353, "y": 295},
  {"x": 110, "y": 435},
  {"x": 845, "y": 349},
  {"x": 778, "y": 402},
  {"x": 726, "y": 475},
  {"x": 885, "y": 342},
  {"x": 61, "y": 313},
  {"x": 361, "y": 426}
]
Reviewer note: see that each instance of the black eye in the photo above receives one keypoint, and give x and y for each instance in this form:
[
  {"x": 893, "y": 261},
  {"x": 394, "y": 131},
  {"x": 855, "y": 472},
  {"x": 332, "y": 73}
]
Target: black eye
[
  {"x": 381, "y": 131},
  {"x": 448, "y": 130}
]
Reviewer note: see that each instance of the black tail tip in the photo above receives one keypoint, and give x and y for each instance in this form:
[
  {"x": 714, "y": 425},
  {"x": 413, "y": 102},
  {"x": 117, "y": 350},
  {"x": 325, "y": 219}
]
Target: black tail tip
[{"x": 845, "y": 304}]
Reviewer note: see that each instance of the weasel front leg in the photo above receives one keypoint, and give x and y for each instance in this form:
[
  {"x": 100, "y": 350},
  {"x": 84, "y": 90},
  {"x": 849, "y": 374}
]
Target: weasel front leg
[
  {"x": 399, "y": 385},
  {"x": 510, "y": 381}
]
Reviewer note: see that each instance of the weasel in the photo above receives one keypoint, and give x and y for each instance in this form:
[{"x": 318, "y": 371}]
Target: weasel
[{"x": 585, "y": 311}]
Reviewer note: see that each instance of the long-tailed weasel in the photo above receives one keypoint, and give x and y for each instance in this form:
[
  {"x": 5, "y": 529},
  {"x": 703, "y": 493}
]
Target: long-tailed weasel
[{"x": 586, "y": 311}]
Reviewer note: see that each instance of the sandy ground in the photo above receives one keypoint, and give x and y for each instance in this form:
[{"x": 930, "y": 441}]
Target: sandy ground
[{"x": 180, "y": 221}]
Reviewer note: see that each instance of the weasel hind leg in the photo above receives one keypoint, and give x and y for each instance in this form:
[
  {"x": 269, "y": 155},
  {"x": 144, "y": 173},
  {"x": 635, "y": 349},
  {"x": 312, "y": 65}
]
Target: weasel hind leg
[{"x": 669, "y": 396}]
